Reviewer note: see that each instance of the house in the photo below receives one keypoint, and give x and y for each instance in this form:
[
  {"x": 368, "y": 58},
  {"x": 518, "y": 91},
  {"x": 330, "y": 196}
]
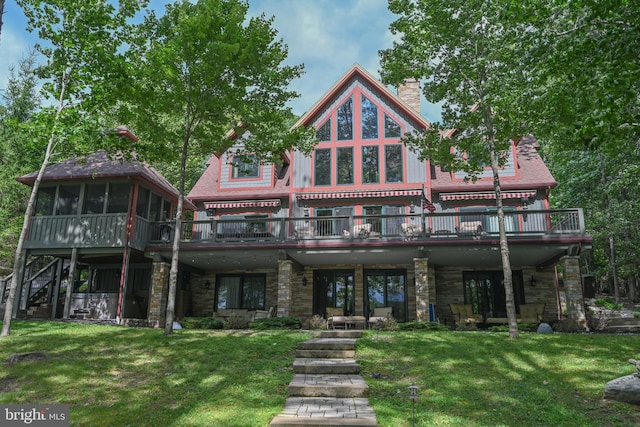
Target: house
[{"x": 360, "y": 223}]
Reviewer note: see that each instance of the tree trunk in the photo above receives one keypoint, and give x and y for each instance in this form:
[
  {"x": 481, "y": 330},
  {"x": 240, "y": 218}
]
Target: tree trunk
[
  {"x": 19, "y": 256},
  {"x": 177, "y": 236},
  {"x": 504, "y": 250}
]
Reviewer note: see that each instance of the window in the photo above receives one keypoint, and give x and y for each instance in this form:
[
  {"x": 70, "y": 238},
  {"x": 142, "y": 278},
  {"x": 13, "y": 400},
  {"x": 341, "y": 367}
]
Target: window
[
  {"x": 322, "y": 166},
  {"x": 484, "y": 290},
  {"x": 94, "y": 198},
  {"x": 344, "y": 116},
  {"x": 246, "y": 291},
  {"x": 387, "y": 288},
  {"x": 345, "y": 165},
  {"x": 324, "y": 132},
  {"x": 245, "y": 166},
  {"x": 46, "y": 201},
  {"x": 333, "y": 288},
  {"x": 369, "y": 118},
  {"x": 391, "y": 128},
  {"x": 68, "y": 200},
  {"x": 393, "y": 163},
  {"x": 370, "y": 168},
  {"x": 385, "y": 220},
  {"x": 118, "y": 199}
]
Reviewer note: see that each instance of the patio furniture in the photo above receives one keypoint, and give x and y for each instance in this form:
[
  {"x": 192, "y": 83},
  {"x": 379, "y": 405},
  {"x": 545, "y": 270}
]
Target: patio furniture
[
  {"x": 411, "y": 231},
  {"x": 531, "y": 313},
  {"x": 362, "y": 230},
  {"x": 380, "y": 314},
  {"x": 463, "y": 314},
  {"x": 473, "y": 228}
]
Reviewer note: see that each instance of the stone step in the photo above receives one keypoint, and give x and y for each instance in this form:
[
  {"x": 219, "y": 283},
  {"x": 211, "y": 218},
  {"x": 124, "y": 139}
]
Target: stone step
[
  {"x": 312, "y": 385},
  {"x": 326, "y": 366},
  {"x": 326, "y": 411},
  {"x": 338, "y": 334},
  {"x": 622, "y": 328},
  {"x": 328, "y": 344},
  {"x": 623, "y": 321},
  {"x": 326, "y": 354},
  {"x": 283, "y": 420}
]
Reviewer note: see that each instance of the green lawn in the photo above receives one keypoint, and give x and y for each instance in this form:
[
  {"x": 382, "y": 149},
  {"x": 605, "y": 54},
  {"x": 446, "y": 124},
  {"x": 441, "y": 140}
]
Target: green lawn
[{"x": 113, "y": 376}]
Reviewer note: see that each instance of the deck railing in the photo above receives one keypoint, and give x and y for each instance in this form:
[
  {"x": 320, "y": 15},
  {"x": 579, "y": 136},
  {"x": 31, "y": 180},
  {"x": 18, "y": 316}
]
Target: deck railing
[
  {"x": 475, "y": 225},
  {"x": 108, "y": 230}
]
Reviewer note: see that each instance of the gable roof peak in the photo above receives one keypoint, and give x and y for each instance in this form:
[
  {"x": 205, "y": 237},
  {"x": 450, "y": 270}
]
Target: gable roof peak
[{"x": 356, "y": 71}]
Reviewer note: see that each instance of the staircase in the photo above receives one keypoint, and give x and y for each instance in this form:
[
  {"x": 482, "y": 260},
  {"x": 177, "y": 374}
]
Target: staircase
[{"x": 327, "y": 389}]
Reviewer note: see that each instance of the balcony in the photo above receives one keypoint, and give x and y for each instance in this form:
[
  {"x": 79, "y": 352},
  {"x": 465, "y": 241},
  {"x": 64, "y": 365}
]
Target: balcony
[{"x": 458, "y": 225}]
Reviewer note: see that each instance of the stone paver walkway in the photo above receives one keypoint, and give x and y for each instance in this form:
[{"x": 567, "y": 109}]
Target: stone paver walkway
[{"x": 327, "y": 389}]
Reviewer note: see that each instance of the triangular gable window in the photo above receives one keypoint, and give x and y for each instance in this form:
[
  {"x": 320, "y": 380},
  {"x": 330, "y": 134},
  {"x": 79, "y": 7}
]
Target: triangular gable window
[
  {"x": 391, "y": 128},
  {"x": 344, "y": 116},
  {"x": 324, "y": 132}
]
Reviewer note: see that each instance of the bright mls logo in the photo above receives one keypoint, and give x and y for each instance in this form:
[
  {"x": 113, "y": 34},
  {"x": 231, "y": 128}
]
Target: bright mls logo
[{"x": 34, "y": 415}]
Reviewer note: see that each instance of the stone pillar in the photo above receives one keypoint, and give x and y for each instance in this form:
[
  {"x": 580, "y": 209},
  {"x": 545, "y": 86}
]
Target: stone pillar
[
  {"x": 159, "y": 294},
  {"x": 425, "y": 288},
  {"x": 572, "y": 280},
  {"x": 285, "y": 283}
]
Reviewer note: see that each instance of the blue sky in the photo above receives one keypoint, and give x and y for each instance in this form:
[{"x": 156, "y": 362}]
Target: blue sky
[{"x": 327, "y": 36}]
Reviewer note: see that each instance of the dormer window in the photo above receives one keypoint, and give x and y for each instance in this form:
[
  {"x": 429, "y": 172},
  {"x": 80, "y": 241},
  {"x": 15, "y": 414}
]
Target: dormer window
[
  {"x": 245, "y": 166},
  {"x": 369, "y": 119},
  {"x": 344, "y": 117}
]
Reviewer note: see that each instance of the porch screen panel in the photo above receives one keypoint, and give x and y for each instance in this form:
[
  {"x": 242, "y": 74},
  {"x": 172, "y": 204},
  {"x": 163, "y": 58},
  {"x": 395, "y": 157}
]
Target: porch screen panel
[
  {"x": 118, "y": 200},
  {"x": 46, "y": 201},
  {"x": 94, "y": 198},
  {"x": 68, "y": 200}
]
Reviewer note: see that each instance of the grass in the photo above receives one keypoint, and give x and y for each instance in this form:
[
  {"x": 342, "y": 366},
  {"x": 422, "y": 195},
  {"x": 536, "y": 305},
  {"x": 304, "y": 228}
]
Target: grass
[{"x": 113, "y": 376}]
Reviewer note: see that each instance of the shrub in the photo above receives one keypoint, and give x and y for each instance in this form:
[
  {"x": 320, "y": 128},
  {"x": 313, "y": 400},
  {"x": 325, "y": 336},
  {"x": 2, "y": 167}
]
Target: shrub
[
  {"x": 608, "y": 303},
  {"x": 636, "y": 314},
  {"x": 423, "y": 326},
  {"x": 317, "y": 322},
  {"x": 471, "y": 326},
  {"x": 236, "y": 321},
  {"x": 276, "y": 323},
  {"x": 201, "y": 323}
]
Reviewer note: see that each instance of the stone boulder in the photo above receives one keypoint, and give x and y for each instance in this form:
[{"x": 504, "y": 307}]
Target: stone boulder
[
  {"x": 545, "y": 328},
  {"x": 624, "y": 389}
]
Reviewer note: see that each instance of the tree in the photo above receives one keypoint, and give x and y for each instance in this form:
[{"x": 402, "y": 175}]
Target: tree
[
  {"x": 467, "y": 54},
  {"x": 17, "y": 153},
  {"x": 585, "y": 104},
  {"x": 83, "y": 70},
  {"x": 205, "y": 71}
]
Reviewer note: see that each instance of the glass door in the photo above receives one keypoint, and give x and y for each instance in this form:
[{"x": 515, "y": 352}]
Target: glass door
[{"x": 386, "y": 288}]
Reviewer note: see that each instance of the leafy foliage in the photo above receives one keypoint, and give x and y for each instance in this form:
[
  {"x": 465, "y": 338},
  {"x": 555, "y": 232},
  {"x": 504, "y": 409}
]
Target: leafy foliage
[
  {"x": 276, "y": 323},
  {"x": 201, "y": 323},
  {"x": 422, "y": 326}
]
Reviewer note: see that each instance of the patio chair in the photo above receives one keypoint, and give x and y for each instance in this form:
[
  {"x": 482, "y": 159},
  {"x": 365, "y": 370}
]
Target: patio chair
[
  {"x": 380, "y": 314},
  {"x": 335, "y": 318},
  {"x": 463, "y": 314}
]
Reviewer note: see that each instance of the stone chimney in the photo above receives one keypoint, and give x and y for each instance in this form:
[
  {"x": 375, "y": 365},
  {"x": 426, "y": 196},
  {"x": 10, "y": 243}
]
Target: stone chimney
[{"x": 409, "y": 92}]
